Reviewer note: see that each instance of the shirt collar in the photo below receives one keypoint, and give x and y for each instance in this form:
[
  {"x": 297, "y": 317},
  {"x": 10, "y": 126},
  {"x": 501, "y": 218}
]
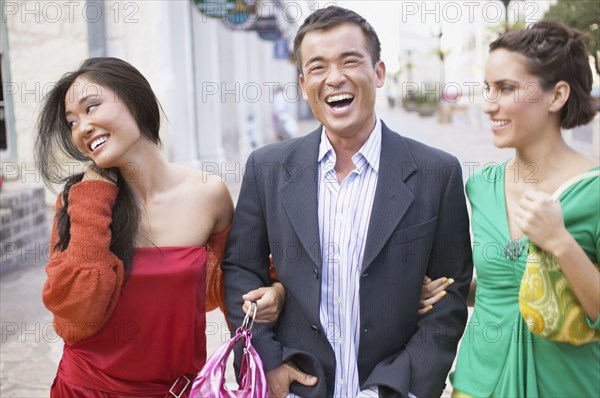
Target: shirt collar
[
  {"x": 324, "y": 147},
  {"x": 370, "y": 151}
]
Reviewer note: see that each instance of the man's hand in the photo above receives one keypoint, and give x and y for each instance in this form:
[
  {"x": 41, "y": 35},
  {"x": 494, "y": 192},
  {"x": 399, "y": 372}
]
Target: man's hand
[
  {"x": 280, "y": 378},
  {"x": 269, "y": 302}
]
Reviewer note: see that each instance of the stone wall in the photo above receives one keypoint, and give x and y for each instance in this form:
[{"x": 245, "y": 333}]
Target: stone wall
[{"x": 24, "y": 232}]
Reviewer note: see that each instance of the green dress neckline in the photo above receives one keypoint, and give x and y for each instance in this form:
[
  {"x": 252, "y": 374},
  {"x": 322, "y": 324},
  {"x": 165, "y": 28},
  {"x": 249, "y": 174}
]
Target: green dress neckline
[{"x": 518, "y": 244}]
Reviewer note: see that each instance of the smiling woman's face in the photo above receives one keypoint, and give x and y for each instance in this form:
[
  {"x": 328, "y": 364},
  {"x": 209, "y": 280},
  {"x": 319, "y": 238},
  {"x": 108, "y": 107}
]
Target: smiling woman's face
[
  {"x": 102, "y": 126},
  {"x": 515, "y": 101}
]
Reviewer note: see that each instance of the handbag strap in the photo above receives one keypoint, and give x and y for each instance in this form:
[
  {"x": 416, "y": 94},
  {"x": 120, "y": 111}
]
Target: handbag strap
[{"x": 571, "y": 181}]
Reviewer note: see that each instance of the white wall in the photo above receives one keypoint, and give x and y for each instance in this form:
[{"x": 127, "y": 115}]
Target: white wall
[{"x": 44, "y": 42}]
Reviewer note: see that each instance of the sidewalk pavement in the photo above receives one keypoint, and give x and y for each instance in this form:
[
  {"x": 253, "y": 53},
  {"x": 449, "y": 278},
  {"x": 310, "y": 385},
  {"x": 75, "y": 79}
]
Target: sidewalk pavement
[{"x": 30, "y": 350}]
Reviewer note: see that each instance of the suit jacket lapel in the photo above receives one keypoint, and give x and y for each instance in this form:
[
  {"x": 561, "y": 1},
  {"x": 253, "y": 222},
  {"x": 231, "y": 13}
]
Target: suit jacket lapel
[
  {"x": 392, "y": 196},
  {"x": 300, "y": 196}
]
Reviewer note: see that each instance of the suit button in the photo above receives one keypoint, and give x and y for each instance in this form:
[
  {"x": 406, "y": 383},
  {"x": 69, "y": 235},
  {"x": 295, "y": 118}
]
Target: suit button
[
  {"x": 366, "y": 330},
  {"x": 315, "y": 328},
  {"x": 365, "y": 275},
  {"x": 316, "y": 273}
]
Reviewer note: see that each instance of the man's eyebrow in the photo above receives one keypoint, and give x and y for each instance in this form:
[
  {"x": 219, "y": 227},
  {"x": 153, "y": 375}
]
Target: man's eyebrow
[
  {"x": 345, "y": 54},
  {"x": 313, "y": 59},
  {"x": 352, "y": 54}
]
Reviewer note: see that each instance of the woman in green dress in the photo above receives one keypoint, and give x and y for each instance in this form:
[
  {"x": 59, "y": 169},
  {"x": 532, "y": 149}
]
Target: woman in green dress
[{"x": 538, "y": 80}]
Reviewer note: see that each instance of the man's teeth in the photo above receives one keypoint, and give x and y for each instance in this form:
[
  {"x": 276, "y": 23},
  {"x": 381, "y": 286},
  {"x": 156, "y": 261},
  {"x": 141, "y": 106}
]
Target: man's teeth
[
  {"x": 499, "y": 123},
  {"x": 98, "y": 141},
  {"x": 339, "y": 97}
]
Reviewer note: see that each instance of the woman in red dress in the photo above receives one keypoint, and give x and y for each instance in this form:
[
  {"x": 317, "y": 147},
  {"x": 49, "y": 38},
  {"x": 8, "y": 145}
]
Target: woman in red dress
[{"x": 136, "y": 243}]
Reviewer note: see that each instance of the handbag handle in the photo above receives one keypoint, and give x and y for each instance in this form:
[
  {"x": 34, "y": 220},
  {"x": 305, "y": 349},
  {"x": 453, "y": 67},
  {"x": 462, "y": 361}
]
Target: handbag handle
[
  {"x": 571, "y": 181},
  {"x": 248, "y": 322}
]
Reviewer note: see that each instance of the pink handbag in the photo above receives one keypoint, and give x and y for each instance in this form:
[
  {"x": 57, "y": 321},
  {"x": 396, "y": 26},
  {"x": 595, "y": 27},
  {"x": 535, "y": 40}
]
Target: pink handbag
[{"x": 210, "y": 382}]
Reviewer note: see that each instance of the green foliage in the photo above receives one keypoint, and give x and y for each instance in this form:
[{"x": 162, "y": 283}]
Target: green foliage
[
  {"x": 583, "y": 15},
  {"x": 501, "y": 27}
]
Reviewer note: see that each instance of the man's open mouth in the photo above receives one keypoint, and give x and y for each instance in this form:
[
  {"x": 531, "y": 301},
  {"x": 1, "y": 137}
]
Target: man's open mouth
[{"x": 338, "y": 101}]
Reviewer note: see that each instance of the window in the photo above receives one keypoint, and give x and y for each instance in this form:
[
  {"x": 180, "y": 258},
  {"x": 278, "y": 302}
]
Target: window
[
  {"x": 7, "y": 127},
  {"x": 3, "y": 129}
]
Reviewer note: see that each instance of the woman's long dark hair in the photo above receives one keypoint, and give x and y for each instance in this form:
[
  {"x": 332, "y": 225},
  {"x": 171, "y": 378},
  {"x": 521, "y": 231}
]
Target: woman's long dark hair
[{"x": 54, "y": 142}]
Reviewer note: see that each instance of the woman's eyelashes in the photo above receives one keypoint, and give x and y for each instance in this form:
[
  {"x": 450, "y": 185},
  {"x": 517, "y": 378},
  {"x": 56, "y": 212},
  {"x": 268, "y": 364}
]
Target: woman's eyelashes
[
  {"x": 503, "y": 88},
  {"x": 90, "y": 107}
]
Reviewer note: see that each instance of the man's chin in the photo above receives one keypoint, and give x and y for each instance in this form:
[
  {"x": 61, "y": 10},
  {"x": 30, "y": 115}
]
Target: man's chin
[{"x": 338, "y": 126}]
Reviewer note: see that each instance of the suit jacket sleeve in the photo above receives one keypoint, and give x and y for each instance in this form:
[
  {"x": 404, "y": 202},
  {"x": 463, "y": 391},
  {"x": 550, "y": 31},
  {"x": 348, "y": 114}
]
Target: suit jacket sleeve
[
  {"x": 246, "y": 263},
  {"x": 421, "y": 368}
]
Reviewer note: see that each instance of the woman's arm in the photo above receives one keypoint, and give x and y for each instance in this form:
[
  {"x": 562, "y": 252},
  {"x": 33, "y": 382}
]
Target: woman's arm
[
  {"x": 215, "y": 293},
  {"x": 432, "y": 291},
  {"x": 84, "y": 281},
  {"x": 542, "y": 221},
  {"x": 581, "y": 273}
]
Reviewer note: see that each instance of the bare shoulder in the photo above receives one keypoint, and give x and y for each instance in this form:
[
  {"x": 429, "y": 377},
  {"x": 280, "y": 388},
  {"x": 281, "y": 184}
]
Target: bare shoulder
[
  {"x": 218, "y": 200},
  {"x": 208, "y": 193},
  {"x": 590, "y": 163},
  {"x": 213, "y": 186},
  {"x": 583, "y": 163},
  {"x": 196, "y": 182}
]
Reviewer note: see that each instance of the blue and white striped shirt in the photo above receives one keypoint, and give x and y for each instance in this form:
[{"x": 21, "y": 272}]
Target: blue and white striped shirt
[{"x": 344, "y": 214}]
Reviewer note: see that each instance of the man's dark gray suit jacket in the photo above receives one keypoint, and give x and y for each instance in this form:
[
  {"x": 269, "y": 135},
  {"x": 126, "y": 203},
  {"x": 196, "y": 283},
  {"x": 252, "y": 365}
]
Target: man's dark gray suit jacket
[{"x": 419, "y": 226}]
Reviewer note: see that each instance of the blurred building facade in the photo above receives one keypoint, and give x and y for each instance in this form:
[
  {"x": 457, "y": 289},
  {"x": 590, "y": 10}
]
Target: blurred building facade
[
  {"x": 461, "y": 31},
  {"x": 215, "y": 84},
  {"x": 216, "y": 80}
]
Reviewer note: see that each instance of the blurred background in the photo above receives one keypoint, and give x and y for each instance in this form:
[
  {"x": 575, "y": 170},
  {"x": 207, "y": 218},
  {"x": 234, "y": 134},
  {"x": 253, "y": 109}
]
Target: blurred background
[{"x": 224, "y": 73}]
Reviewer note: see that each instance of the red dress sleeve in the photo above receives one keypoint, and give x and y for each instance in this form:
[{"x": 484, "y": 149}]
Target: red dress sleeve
[
  {"x": 215, "y": 290},
  {"x": 84, "y": 281}
]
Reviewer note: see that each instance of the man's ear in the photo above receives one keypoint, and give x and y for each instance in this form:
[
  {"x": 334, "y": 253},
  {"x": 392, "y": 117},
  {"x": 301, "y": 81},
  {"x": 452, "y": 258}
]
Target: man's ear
[
  {"x": 561, "y": 92},
  {"x": 380, "y": 72},
  {"x": 304, "y": 94}
]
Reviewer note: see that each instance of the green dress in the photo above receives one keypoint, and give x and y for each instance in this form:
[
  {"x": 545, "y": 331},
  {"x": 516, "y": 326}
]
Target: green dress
[{"x": 498, "y": 356}]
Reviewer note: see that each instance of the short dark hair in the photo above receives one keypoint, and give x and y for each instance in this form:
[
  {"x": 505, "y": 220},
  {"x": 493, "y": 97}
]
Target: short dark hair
[
  {"x": 330, "y": 17},
  {"x": 555, "y": 52}
]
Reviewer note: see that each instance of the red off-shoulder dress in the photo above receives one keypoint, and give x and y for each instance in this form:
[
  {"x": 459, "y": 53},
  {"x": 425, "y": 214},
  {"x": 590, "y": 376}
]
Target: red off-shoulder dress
[{"x": 141, "y": 338}]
